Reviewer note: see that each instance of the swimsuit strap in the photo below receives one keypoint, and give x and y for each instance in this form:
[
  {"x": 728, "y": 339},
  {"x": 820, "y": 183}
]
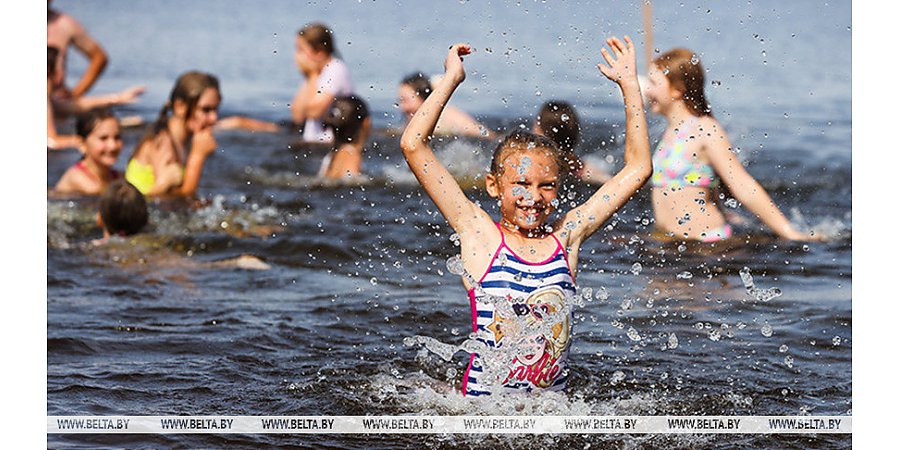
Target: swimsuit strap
[
  {"x": 502, "y": 237},
  {"x": 559, "y": 246},
  {"x": 80, "y": 166}
]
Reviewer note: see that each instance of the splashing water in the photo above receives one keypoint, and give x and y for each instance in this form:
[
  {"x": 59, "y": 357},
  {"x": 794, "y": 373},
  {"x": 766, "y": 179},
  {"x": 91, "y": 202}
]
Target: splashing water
[{"x": 760, "y": 294}]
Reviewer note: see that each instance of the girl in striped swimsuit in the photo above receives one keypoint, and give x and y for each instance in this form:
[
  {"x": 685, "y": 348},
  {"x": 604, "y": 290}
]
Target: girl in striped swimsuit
[{"x": 520, "y": 271}]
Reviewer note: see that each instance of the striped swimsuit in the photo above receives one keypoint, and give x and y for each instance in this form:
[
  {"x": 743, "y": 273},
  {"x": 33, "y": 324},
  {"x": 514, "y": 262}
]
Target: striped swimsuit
[{"x": 533, "y": 290}]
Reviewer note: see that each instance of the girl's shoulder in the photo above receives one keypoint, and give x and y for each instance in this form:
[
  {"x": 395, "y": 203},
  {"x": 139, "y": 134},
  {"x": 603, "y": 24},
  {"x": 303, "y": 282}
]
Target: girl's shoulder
[
  {"x": 709, "y": 126},
  {"x": 75, "y": 180}
]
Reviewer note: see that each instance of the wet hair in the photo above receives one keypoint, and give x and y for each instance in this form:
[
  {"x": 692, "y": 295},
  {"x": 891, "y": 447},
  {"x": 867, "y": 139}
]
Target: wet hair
[
  {"x": 345, "y": 117},
  {"x": 419, "y": 83},
  {"x": 123, "y": 208},
  {"x": 559, "y": 122},
  {"x": 685, "y": 73},
  {"x": 319, "y": 37},
  {"x": 87, "y": 121},
  {"x": 52, "y": 55},
  {"x": 522, "y": 141},
  {"x": 188, "y": 88}
]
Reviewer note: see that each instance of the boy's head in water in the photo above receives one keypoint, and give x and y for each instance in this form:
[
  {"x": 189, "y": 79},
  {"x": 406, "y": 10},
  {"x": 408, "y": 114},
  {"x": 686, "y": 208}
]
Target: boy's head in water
[
  {"x": 348, "y": 117},
  {"x": 123, "y": 210},
  {"x": 677, "y": 75},
  {"x": 525, "y": 177}
]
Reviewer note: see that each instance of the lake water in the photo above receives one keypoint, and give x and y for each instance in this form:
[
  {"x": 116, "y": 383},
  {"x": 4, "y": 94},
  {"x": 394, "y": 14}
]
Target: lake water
[{"x": 156, "y": 325}]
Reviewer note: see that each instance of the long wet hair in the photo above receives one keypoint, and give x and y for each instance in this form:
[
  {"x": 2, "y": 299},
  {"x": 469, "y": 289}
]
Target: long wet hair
[
  {"x": 419, "y": 83},
  {"x": 319, "y": 37},
  {"x": 559, "y": 122},
  {"x": 188, "y": 89},
  {"x": 345, "y": 117},
  {"x": 683, "y": 70},
  {"x": 523, "y": 141}
]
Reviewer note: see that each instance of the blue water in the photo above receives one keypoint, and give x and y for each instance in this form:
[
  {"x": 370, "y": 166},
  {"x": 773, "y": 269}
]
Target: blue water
[{"x": 154, "y": 327}]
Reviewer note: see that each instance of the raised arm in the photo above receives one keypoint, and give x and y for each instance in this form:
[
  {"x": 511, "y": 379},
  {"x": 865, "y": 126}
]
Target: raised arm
[
  {"x": 587, "y": 218},
  {"x": 415, "y": 143},
  {"x": 744, "y": 187}
]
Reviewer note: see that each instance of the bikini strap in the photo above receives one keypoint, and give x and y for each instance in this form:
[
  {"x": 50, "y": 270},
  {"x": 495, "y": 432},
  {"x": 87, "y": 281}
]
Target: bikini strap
[{"x": 80, "y": 166}]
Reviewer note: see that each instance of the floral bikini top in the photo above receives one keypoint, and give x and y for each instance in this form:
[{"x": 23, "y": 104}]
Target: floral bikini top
[{"x": 675, "y": 168}]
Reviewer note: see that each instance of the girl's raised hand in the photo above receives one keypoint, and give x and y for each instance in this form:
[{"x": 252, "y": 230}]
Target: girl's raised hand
[
  {"x": 622, "y": 61},
  {"x": 453, "y": 66}
]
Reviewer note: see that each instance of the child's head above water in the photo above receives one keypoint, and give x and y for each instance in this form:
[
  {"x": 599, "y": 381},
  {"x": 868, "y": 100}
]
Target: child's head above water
[
  {"x": 196, "y": 96},
  {"x": 347, "y": 117},
  {"x": 99, "y": 130},
  {"x": 413, "y": 91},
  {"x": 684, "y": 74},
  {"x": 558, "y": 121},
  {"x": 525, "y": 177},
  {"x": 318, "y": 37},
  {"x": 123, "y": 210}
]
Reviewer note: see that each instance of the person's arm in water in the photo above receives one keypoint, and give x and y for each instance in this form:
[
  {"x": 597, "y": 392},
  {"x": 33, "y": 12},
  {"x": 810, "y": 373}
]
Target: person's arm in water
[
  {"x": 122, "y": 97},
  {"x": 96, "y": 56},
  {"x": 247, "y": 124},
  {"x": 439, "y": 184},
  {"x": 584, "y": 220},
  {"x": 457, "y": 121},
  {"x": 742, "y": 185}
]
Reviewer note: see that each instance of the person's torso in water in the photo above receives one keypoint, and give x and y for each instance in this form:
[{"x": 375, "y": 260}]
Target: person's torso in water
[
  {"x": 534, "y": 292},
  {"x": 684, "y": 187}
]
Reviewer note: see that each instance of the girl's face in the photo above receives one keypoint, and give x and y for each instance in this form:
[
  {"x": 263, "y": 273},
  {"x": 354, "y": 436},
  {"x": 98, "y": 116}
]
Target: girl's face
[
  {"x": 206, "y": 111},
  {"x": 527, "y": 189},
  {"x": 408, "y": 100},
  {"x": 660, "y": 91},
  {"x": 104, "y": 143},
  {"x": 308, "y": 59}
]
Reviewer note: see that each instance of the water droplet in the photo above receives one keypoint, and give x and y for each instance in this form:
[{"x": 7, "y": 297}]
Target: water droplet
[
  {"x": 766, "y": 330},
  {"x": 714, "y": 335},
  {"x": 374, "y": 281},
  {"x": 836, "y": 341},
  {"x": 636, "y": 268},
  {"x": 789, "y": 361},
  {"x": 616, "y": 377},
  {"x": 783, "y": 348},
  {"x": 685, "y": 275},
  {"x": 633, "y": 334},
  {"x": 455, "y": 265},
  {"x": 673, "y": 340}
]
